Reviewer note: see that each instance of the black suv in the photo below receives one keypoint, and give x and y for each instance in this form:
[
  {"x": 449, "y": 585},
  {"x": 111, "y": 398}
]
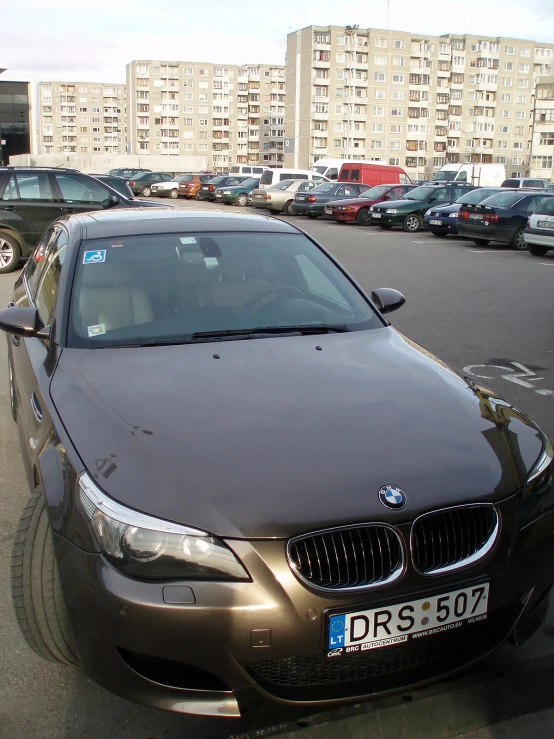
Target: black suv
[{"x": 32, "y": 197}]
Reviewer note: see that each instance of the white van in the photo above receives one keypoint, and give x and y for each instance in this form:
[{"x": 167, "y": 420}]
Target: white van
[
  {"x": 482, "y": 175},
  {"x": 330, "y": 167},
  {"x": 239, "y": 169},
  {"x": 272, "y": 176}
]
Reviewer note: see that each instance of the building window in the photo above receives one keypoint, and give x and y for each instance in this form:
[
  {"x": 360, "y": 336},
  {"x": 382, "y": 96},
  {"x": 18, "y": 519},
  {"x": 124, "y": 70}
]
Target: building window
[
  {"x": 508, "y": 66},
  {"x": 507, "y": 81},
  {"x": 377, "y": 128},
  {"x": 381, "y": 61},
  {"x": 398, "y": 61},
  {"x": 396, "y": 128},
  {"x": 394, "y": 145},
  {"x": 397, "y": 95},
  {"x": 520, "y": 115},
  {"x": 379, "y": 94},
  {"x": 396, "y": 112},
  {"x": 518, "y": 145},
  {"x": 378, "y": 111},
  {"x": 376, "y": 144},
  {"x": 379, "y": 76},
  {"x": 398, "y": 79},
  {"x": 399, "y": 44}
]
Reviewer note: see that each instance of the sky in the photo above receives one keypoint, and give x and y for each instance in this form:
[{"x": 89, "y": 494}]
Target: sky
[{"x": 68, "y": 40}]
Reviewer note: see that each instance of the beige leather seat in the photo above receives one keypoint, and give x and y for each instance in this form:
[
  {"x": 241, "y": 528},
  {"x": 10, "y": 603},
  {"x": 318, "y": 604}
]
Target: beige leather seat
[{"x": 106, "y": 297}]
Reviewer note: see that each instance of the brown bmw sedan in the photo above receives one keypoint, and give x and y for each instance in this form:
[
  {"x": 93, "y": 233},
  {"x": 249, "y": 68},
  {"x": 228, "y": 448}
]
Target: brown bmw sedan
[{"x": 246, "y": 485}]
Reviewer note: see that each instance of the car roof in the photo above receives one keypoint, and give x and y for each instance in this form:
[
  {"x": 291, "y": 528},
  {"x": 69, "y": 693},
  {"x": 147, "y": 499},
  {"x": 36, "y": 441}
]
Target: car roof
[{"x": 137, "y": 221}]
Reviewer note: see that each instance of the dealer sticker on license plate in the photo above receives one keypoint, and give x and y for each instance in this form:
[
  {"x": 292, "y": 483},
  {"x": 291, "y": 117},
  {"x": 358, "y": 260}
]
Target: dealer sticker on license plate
[
  {"x": 416, "y": 619},
  {"x": 435, "y": 223}
]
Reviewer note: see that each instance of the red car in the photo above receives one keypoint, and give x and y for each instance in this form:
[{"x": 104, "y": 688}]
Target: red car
[{"x": 357, "y": 209}]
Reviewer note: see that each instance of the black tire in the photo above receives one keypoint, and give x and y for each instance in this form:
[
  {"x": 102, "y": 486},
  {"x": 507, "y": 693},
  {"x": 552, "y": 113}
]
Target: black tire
[
  {"x": 13, "y": 398},
  {"x": 385, "y": 226},
  {"x": 481, "y": 242},
  {"x": 174, "y": 194},
  {"x": 146, "y": 191},
  {"x": 289, "y": 209},
  {"x": 438, "y": 233},
  {"x": 412, "y": 223},
  {"x": 36, "y": 588},
  {"x": 242, "y": 199},
  {"x": 536, "y": 250},
  {"x": 518, "y": 241},
  {"x": 10, "y": 253},
  {"x": 363, "y": 217}
]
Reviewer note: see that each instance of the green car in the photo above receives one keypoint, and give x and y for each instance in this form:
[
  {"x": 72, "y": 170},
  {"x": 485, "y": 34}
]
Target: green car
[
  {"x": 237, "y": 194},
  {"x": 408, "y": 212}
]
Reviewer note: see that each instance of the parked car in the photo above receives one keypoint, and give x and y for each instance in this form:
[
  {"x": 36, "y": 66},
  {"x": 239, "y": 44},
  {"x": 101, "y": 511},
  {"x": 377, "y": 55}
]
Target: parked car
[
  {"x": 141, "y": 184},
  {"x": 322, "y": 511},
  {"x": 238, "y": 170},
  {"x": 280, "y": 197},
  {"x": 526, "y": 183},
  {"x": 118, "y": 183},
  {"x": 373, "y": 173},
  {"x": 313, "y": 204},
  {"x": 408, "y": 212},
  {"x": 127, "y": 173},
  {"x": 502, "y": 217},
  {"x": 238, "y": 194},
  {"x": 357, "y": 209},
  {"x": 441, "y": 221},
  {"x": 190, "y": 187},
  {"x": 480, "y": 175},
  {"x": 329, "y": 167},
  {"x": 271, "y": 177},
  {"x": 539, "y": 232},
  {"x": 208, "y": 188},
  {"x": 32, "y": 197},
  {"x": 170, "y": 188}
]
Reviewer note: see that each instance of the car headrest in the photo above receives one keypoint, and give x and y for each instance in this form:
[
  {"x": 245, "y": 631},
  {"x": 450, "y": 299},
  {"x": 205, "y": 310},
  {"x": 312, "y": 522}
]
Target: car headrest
[{"x": 105, "y": 275}]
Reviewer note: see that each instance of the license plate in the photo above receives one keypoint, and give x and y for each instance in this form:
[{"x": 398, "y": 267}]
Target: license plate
[
  {"x": 300, "y": 197},
  {"x": 435, "y": 223},
  {"x": 218, "y": 195},
  {"x": 376, "y": 215},
  {"x": 389, "y": 625},
  {"x": 328, "y": 211},
  {"x": 259, "y": 197},
  {"x": 545, "y": 224},
  {"x": 204, "y": 188},
  {"x": 476, "y": 216}
]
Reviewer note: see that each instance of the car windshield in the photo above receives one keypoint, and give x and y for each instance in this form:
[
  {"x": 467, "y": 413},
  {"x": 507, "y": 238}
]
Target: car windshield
[
  {"x": 172, "y": 287},
  {"x": 545, "y": 207},
  {"x": 182, "y": 178},
  {"x": 445, "y": 176},
  {"x": 326, "y": 187},
  {"x": 376, "y": 192},
  {"x": 503, "y": 199},
  {"x": 474, "y": 197},
  {"x": 320, "y": 169},
  {"x": 420, "y": 193},
  {"x": 250, "y": 182}
]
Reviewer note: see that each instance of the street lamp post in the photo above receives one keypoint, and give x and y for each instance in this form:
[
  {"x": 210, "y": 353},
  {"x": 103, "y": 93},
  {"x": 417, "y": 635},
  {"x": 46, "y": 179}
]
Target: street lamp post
[{"x": 350, "y": 32}]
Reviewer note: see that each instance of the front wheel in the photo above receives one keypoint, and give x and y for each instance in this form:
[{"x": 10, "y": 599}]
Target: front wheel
[
  {"x": 289, "y": 209},
  {"x": 242, "y": 199},
  {"x": 518, "y": 241},
  {"x": 36, "y": 588},
  {"x": 536, "y": 250},
  {"x": 174, "y": 194},
  {"x": 363, "y": 217},
  {"x": 146, "y": 191},
  {"x": 412, "y": 223},
  {"x": 10, "y": 253}
]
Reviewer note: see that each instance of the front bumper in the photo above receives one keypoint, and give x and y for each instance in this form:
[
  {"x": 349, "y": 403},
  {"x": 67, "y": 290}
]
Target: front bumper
[
  {"x": 229, "y": 199},
  {"x": 228, "y": 646},
  {"x": 539, "y": 237},
  {"x": 348, "y": 216},
  {"x": 389, "y": 219},
  {"x": 447, "y": 225}
]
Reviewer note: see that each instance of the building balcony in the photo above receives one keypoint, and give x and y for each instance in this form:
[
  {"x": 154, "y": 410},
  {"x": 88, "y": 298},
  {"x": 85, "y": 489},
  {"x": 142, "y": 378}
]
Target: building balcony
[
  {"x": 444, "y": 72},
  {"x": 318, "y": 132},
  {"x": 320, "y": 116},
  {"x": 321, "y": 65},
  {"x": 316, "y": 81}
]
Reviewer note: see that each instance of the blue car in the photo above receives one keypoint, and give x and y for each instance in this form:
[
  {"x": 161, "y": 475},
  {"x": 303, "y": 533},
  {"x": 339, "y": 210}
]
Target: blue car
[{"x": 441, "y": 221}]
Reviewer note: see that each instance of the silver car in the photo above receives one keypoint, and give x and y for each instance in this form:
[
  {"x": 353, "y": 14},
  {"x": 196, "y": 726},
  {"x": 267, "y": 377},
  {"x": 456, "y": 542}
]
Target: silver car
[{"x": 280, "y": 197}]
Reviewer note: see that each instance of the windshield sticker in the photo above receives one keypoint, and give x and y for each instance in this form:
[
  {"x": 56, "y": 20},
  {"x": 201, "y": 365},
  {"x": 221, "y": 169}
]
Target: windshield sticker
[
  {"x": 187, "y": 240},
  {"x": 116, "y": 243},
  {"x": 211, "y": 262},
  {"x": 97, "y": 330},
  {"x": 94, "y": 257}
]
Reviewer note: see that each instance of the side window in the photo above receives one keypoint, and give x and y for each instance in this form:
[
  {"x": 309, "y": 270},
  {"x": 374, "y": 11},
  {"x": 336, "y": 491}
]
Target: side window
[
  {"x": 440, "y": 194},
  {"x": 332, "y": 174},
  {"x": 34, "y": 187},
  {"x": 397, "y": 193},
  {"x": 530, "y": 205},
  {"x": 462, "y": 176},
  {"x": 345, "y": 174},
  {"x": 355, "y": 175},
  {"x": 40, "y": 256},
  {"x": 10, "y": 191},
  {"x": 47, "y": 292},
  {"x": 342, "y": 190},
  {"x": 80, "y": 189},
  {"x": 305, "y": 186},
  {"x": 316, "y": 280}
]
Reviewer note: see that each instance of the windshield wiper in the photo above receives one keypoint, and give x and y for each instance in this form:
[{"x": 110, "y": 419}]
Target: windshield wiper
[{"x": 305, "y": 330}]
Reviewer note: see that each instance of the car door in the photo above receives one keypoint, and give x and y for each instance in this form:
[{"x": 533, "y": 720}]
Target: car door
[
  {"x": 80, "y": 194},
  {"x": 29, "y": 205},
  {"x": 29, "y": 355}
]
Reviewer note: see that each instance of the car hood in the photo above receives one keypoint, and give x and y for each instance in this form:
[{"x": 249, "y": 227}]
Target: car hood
[{"x": 274, "y": 438}]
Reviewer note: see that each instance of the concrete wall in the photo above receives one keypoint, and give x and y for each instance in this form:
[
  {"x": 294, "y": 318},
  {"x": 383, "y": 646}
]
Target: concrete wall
[{"x": 97, "y": 164}]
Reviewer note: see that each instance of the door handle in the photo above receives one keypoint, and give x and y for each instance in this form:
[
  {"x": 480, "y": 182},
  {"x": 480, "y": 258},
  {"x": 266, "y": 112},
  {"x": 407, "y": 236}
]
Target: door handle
[
  {"x": 35, "y": 405},
  {"x": 68, "y": 210}
]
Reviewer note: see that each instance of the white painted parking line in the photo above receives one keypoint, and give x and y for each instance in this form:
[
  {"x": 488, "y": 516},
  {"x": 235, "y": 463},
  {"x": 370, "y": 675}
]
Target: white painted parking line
[
  {"x": 547, "y": 264},
  {"x": 419, "y": 242}
]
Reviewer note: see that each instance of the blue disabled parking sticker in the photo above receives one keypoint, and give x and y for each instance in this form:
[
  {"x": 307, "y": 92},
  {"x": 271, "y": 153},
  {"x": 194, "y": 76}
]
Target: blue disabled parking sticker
[{"x": 94, "y": 257}]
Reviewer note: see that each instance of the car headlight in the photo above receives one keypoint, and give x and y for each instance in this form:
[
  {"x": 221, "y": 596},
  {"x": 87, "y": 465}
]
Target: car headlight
[
  {"x": 538, "y": 493},
  {"x": 391, "y": 210},
  {"x": 151, "y": 548},
  {"x": 371, "y": 208},
  {"x": 428, "y": 213}
]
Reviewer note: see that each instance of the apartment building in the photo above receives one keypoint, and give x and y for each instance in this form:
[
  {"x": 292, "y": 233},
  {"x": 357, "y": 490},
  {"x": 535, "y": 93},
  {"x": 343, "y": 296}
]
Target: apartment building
[
  {"x": 416, "y": 101},
  {"x": 542, "y": 140},
  {"x": 81, "y": 118},
  {"x": 231, "y": 114}
]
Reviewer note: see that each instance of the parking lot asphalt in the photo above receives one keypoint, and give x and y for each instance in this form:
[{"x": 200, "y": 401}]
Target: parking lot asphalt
[{"x": 483, "y": 310}]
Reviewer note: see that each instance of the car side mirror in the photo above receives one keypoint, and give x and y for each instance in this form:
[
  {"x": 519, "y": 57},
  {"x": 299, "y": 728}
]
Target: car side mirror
[
  {"x": 23, "y": 322},
  {"x": 112, "y": 200},
  {"x": 387, "y": 299}
]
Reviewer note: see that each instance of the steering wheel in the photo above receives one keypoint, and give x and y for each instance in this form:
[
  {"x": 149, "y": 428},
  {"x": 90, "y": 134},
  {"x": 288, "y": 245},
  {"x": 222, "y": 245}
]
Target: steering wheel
[{"x": 274, "y": 289}]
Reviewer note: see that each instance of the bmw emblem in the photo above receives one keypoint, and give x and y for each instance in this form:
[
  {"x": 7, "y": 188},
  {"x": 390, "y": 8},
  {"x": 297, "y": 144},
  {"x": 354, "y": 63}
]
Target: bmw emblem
[{"x": 392, "y": 497}]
